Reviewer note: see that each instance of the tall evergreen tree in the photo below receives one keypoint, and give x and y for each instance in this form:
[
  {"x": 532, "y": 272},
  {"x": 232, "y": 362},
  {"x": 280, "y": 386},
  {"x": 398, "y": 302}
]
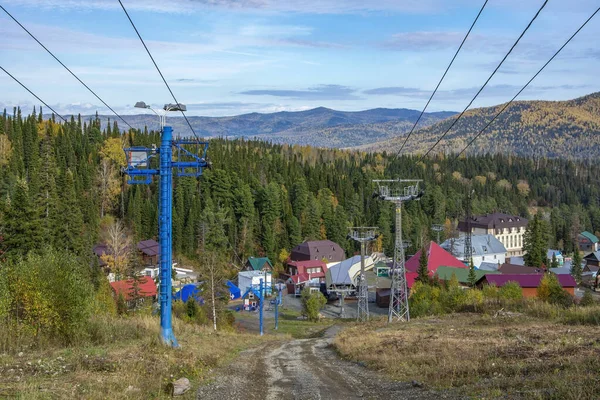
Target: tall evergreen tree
[
  {"x": 22, "y": 224},
  {"x": 535, "y": 242},
  {"x": 423, "y": 271}
]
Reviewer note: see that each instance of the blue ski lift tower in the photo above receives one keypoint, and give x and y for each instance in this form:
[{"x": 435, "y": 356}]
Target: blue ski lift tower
[{"x": 142, "y": 164}]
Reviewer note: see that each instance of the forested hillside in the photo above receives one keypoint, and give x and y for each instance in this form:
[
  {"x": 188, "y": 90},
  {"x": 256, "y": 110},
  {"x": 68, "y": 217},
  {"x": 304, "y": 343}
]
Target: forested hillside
[
  {"x": 321, "y": 127},
  {"x": 59, "y": 183},
  {"x": 555, "y": 129}
]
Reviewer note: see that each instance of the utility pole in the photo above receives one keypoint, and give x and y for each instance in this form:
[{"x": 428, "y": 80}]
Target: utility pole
[
  {"x": 363, "y": 235},
  {"x": 468, "y": 246},
  {"x": 437, "y": 228},
  {"x": 187, "y": 163},
  {"x": 262, "y": 302},
  {"x": 279, "y": 288},
  {"x": 398, "y": 191}
]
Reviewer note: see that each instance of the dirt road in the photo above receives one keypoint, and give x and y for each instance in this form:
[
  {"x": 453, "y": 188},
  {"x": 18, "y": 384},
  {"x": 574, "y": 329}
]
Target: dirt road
[{"x": 304, "y": 369}]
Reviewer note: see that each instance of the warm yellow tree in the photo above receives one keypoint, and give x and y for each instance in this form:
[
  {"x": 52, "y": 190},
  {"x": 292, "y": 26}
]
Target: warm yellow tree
[{"x": 118, "y": 244}]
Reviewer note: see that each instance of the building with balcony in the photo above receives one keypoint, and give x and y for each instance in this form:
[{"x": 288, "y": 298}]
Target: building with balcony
[{"x": 508, "y": 229}]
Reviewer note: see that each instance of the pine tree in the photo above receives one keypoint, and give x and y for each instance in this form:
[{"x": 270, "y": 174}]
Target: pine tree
[
  {"x": 554, "y": 262},
  {"x": 472, "y": 278},
  {"x": 535, "y": 242},
  {"x": 22, "y": 231},
  {"x": 70, "y": 229},
  {"x": 423, "y": 272},
  {"x": 576, "y": 270}
]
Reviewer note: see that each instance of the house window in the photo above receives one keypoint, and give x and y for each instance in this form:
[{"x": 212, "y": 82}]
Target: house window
[
  {"x": 253, "y": 304},
  {"x": 483, "y": 258},
  {"x": 495, "y": 256},
  {"x": 250, "y": 296}
]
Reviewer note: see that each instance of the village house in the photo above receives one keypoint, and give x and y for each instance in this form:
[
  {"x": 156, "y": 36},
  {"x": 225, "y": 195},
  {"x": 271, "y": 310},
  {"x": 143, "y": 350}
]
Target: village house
[
  {"x": 592, "y": 259},
  {"x": 436, "y": 257},
  {"x": 528, "y": 282},
  {"x": 251, "y": 279},
  {"x": 133, "y": 296},
  {"x": 345, "y": 274},
  {"x": 149, "y": 251},
  {"x": 587, "y": 242},
  {"x": 325, "y": 250},
  {"x": 485, "y": 248},
  {"x": 508, "y": 229},
  {"x": 258, "y": 264},
  {"x": 251, "y": 299}
]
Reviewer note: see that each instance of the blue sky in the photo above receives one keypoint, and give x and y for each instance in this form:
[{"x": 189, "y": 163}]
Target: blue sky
[{"x": 228, "y": 57}]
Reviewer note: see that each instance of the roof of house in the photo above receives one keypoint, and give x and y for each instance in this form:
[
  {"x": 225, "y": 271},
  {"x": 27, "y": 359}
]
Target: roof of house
[
  {"x": 507, "y": 268},
  {"x": 257, "y": 263},
  {"x": 527, "y": 280},
  {"x": 346, "y": 272},
  {"x": 307, "y": 263},
  {"x": 565, "y": 269},
  {"x": 494, "y": 221},
  {"x": 318, "y": 250},
  {"x": 462, "y": 274},
  {"x": 590, "y": 236},
  {"x": 299, "y": 278},
  {"x": 488, "y": 266},
  {"x": 551, "y": 252},
  {"x": 436, "y": 257},
  {"x": 481, "y": 245},
  {"x": 149, "y": 247},
  {"x": 147, "y": 287},
  {"x": 593, "y": 256},
  {"x": 253, "y": 291}
]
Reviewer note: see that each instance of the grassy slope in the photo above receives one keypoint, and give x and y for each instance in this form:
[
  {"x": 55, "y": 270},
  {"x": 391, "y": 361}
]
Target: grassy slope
[
  {"x": 137, "y": 367},
  {"x": 516, "y": 356}
]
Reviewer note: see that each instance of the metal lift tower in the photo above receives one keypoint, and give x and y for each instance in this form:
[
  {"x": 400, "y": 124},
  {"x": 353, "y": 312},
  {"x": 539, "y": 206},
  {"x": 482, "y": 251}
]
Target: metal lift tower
[
  {"x": 437, "y": 228},
  {"x": 468, "y": 245},
  {"x": 141, "y": 166},
  {"x": 398, "y": 191},
  {"x": 363, "y": 235}
]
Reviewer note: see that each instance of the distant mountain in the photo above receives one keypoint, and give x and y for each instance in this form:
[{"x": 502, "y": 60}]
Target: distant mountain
[
  {"x": 557, "y": 129},
  {"x": 320, "y": 127}
]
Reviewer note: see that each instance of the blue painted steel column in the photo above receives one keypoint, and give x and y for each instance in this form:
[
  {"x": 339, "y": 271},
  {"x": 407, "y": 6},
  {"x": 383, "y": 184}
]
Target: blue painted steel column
[
  {"x": 277, "y": 301},
  {"x": 262, "y": 299},
  {"x": 166, "y": 236}
]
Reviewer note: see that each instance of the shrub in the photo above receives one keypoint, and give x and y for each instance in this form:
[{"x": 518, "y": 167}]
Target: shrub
[
  {"x": 472, "y": 300},
  {"x": 587, "y": 299},
  {"x": 452, "y": 299},
  {"x": 490, "y": 292},
  {"x": 424, "y": 300},
  {"x": 312, "y": 303},
  {"x": 551, "y": 291},
  {"x": 510, "y": 291}
]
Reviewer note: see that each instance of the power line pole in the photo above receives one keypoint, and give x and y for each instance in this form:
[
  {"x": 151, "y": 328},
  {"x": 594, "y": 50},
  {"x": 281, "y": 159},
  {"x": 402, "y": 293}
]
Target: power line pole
[
  {"x": 437, "y": 228},
  {"x": 468, "y": 245},
  {"x": 398, "y": 191},
  {"x": 363, "y": 235}
]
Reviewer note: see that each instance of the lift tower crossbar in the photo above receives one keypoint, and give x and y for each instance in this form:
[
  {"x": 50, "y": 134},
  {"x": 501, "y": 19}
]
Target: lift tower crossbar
[{"x": 398, "y": 191}]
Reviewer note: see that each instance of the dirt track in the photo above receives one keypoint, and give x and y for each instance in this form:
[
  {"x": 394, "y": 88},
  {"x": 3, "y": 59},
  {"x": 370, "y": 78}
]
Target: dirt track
[{"x": 304, "y": 369}]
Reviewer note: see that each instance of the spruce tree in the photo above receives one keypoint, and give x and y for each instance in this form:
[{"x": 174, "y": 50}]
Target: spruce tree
[
  {"x": 472, "y": 278},
  {"x": 576, "y": 270},
  {"x": 22, "y": 224},
  {"x": 423, "y": 272}
]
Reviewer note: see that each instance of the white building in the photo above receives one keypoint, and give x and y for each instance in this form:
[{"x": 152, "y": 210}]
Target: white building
[
  {"x": 485, "y": 248},
  {"x": 508, "y": 229},
  {"x": 247, "y": 279},
  {"x": 346, "y": 273}
]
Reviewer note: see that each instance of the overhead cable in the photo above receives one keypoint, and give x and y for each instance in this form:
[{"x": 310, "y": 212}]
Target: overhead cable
[
  {"x": 486, "y": 82},
  {"x": 443, "y": 76},
  {"x": 528, "y": 83},
  {"x": 33, "y": 94},
  {"x": 65, "y": 67},
  {"x": 156, "y": 65}
]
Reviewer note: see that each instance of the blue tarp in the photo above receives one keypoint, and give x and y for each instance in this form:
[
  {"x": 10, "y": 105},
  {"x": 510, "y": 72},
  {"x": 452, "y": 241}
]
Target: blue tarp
[
  {"x": 188, "y": 291},
  {"x": 234, "y": 291}
]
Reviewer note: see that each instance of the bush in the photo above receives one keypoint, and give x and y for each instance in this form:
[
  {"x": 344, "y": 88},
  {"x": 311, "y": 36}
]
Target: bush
[
  {"x": 453, "y": 298},
  {"x": 312, "y": 303},
  {"x": 472, "y": 300},
  {"x": 424, "y": 300},
  {"x": 49, "y": 294},
  {"x": 551, "y": 291},
  {"x": 490, "y": 292},
  {"x": 587, "y": 299},
  {"x": 511, "y": 291}
]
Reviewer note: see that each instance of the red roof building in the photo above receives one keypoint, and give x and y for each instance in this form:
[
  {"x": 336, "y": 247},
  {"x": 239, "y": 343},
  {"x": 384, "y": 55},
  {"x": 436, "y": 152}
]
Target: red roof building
[
  {"x": 530, "y": 282},
  {"x": 314, "y": 268},
  {"x": 146, "y": 287},
  {"x": 436, "y": 257}
]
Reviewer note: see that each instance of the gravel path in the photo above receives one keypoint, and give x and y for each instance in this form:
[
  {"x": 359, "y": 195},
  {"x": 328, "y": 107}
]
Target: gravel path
[{"x": 304, "y": 369}]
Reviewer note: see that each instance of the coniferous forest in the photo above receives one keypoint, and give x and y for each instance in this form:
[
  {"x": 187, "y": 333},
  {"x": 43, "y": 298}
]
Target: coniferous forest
[{"x": 60, "y": 181}]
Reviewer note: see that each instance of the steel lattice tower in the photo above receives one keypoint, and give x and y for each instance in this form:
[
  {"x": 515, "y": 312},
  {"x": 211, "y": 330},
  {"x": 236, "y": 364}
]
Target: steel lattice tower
[
  {"x": 398, "y": 191},
  {"x": 363, "y": 235},
  {"x": 437, "y": 228}
]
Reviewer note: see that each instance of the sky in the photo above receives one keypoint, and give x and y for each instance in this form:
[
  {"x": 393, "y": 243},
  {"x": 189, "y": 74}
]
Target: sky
[{"x": 229, "y": 57}]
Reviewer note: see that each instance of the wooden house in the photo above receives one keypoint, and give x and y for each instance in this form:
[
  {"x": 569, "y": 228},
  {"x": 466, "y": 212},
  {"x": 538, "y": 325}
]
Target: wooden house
[
  {"x": 528, "y": 282},
  {"x": 258, "y": 264}
]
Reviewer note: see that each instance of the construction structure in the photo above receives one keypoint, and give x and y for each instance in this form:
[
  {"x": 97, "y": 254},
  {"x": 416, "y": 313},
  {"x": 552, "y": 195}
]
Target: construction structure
[
  {"x": 343, "y": 278},
  {"x": 468, "y": 257},
  {"x": 142, "y": 165},
  {"x": 363, "y": 235},
  {"x": 398, "y": 191}
]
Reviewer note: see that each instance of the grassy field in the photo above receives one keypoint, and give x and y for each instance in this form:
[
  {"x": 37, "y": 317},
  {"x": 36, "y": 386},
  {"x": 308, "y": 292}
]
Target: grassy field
[
  {"x": 509, "y": 356},
  {"x": 124, "y": 361}
]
